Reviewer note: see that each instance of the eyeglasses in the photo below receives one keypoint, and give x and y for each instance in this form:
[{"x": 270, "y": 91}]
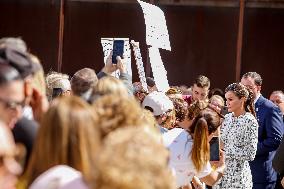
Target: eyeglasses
[{"x": 13, "y": 105}]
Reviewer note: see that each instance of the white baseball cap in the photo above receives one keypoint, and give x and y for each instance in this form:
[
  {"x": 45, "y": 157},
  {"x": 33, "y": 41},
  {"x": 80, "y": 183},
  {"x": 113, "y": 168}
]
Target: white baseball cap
[
  {"x": 59, "y": 177},
  {"x": 158, "y": 102}
]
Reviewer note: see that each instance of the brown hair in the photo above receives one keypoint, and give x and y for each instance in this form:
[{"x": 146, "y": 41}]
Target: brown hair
[
  {"x": 83, "y": 80},
  {"x": 131, "y": 158},
  {"x": 202, "y": 81},
  {"x": 206, "y": 123},
  {"x": 109, "y": 85},
  {"x": 38, "y": 77},
  {"x": 114, "y": 111},
  {"x": 195, "y": 108},
  {"x": 67, "y": 135},
  {"x": 255, "y": 76},
  {"x": 181, "y": 108},
  {"x": 242, "y": 91}
]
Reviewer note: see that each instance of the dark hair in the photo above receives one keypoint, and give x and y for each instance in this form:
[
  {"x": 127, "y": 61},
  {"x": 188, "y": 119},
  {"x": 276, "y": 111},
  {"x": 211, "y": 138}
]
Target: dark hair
[
  {"x": 202, "y": 81},
  {"x": 242, "y": 91},
  {"x": 56, "y": 92},
  {"x": 181, "y": 108},
  {"x": 150, "y": 82},
  {"x": 195, "y": 108},
  {"x": 206, "y": 123},
  {"x": 8, "y": 74},
  {"x": 21, "y": 61},
  {"x": 257, "y": 78},
  {"x": 216, "y": 91}
]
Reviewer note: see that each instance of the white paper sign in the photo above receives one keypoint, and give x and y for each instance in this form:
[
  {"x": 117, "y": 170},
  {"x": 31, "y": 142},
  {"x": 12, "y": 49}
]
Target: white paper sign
[
  {"x": 107, "y": 44},
  {"x": 156, "y": 26},
  {"x": 158, "y": 69},
  {"x": 139, "y": 64}
]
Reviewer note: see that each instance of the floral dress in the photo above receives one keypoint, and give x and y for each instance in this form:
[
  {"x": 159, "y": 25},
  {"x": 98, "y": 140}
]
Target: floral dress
[{"x": 239, "y": 135}]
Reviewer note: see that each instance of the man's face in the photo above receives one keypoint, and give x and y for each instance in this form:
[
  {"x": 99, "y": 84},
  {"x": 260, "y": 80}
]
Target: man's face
[
  {"x": 11, "y": 102},
  {"x": 276, "y": 98},
  {"x": 199, "y": 93},
  {"x": 249, "y": 83}
]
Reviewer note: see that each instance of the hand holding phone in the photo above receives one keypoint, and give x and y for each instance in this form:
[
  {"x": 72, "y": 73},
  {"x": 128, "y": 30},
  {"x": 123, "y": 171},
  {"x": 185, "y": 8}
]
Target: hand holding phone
[
  {"x": 118, "y": 50},
  {"x": 215, "y": 149}
]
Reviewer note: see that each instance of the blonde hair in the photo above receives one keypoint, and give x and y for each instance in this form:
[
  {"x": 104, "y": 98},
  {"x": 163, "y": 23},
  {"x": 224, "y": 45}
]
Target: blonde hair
[
  {"x": 56, "y": 80},
  {"x": 109, "y": 85},
  {"x": 206, "y": 123},
  {"x": 67, "y": 135},
  {"x": 38, "y": 77},
  {"x": 149, "y": 118},
  {"x": 219, "y": 98},
  {"x": 115, "y": 111},
  {"x": 131, "y": 158}
]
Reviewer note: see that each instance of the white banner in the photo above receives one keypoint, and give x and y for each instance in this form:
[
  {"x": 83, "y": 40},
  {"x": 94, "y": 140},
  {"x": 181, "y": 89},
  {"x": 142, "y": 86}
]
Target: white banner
[
  {"x": 158, "y": 69},
  {"x": 139, "y": 64},
  {"x": 156, "y": 26}
]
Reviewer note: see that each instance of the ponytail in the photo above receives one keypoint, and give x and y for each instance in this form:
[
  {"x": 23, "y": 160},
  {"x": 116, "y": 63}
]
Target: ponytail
[
  {"x": 249, "y": 103},
  {"x": 200, "y": 153}
]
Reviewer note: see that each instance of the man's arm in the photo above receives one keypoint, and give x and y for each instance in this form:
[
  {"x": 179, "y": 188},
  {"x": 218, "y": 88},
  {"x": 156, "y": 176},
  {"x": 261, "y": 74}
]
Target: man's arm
[{"x": 274, "y": 132}]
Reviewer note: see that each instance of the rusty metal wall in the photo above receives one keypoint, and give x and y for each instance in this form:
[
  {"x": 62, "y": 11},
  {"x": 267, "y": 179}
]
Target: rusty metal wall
[
  {"x": 37, "y": 23},
  {"x": 263, "y": 46},
  {"x": 204, "y": 39}
]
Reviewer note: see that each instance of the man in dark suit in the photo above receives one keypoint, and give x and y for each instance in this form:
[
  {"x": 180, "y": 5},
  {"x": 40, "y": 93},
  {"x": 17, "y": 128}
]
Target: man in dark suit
[{"x": 270, "y": 133}]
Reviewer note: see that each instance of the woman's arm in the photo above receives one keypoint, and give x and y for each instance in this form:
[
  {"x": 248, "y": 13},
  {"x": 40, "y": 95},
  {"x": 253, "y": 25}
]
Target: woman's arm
[{"x": 216, "y": 174}]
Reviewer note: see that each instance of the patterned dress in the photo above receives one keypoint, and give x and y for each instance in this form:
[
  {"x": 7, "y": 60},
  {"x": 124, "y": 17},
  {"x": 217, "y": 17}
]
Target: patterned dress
[{"x": 239, "y": 135}]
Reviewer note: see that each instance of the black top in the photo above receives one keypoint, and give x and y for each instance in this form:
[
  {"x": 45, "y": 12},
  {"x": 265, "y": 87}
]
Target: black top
[{"x": 24, "y": 133}]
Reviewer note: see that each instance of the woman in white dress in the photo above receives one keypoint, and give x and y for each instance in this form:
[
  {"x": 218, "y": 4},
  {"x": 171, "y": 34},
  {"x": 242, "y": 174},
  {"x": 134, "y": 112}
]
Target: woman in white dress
[
  {"x": 190, "y": 150},
  {"x": 239, "y": 137}
]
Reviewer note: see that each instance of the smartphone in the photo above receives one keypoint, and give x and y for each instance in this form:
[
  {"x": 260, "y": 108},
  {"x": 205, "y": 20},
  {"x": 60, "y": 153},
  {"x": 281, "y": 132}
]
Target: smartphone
[
  {"x": 224, "y": 110},
  {"x": 215, "y": 149},
  {"x": 118, "y": 49}
]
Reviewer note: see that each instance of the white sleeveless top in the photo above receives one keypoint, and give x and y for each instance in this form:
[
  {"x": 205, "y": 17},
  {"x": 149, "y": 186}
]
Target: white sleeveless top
[{"x": 179, "y": 143}]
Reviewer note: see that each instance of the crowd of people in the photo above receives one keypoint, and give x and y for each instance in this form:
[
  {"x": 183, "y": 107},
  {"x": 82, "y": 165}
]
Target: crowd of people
[{"x": 95, "y": 131}]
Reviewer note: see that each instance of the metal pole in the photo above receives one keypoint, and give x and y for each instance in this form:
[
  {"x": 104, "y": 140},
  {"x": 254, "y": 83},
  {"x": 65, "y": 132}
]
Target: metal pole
[
  {"x": 60, "y": 36},
  {"x": 240, "y": 40}
]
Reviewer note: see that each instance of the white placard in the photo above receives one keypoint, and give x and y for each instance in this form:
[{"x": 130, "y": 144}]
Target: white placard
[
  {"x": 139, "y": 64},
  {"x": 107, "y": 44},
  {"x": 156, "y": 27},
  {"x": 158, "y": 69}
]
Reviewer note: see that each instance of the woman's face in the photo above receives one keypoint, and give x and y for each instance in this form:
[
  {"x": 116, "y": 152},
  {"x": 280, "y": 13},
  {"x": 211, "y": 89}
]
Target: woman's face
[{"x": 234, "y": 103}]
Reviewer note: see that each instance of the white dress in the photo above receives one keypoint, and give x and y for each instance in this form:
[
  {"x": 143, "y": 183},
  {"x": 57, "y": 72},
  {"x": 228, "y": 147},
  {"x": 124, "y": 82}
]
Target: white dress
[
  {"x": 179, "y": 142},
  {"x": 239, "y": 135}
]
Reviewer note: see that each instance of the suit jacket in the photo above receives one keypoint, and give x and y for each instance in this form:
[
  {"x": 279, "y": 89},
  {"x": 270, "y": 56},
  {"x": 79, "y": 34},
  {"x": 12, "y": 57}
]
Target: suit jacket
[
  {"x": 270, "y": 133},
  {"x": 278, "y": 161}
]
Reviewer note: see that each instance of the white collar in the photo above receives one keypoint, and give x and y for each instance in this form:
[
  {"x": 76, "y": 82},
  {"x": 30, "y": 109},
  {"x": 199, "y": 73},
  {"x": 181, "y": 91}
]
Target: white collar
[{"x": 257, "y": 97}]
